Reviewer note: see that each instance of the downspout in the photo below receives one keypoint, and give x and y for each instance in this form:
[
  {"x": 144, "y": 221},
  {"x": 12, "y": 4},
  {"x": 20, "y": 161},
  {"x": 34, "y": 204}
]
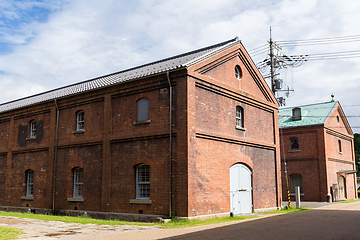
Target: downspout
[
  {"x": 170, "y": 148},
  {"x": 55, "y": 156}
]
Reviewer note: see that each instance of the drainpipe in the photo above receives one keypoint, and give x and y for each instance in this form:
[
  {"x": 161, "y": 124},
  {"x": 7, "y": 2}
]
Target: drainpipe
[
  {"x": 55, "y": 155},
  {"x": 170, "y": 148}
]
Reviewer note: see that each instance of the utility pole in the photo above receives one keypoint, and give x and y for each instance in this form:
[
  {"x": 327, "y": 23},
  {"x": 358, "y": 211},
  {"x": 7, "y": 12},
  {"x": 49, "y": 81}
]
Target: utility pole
[
  {"x": 272, "y": 65},
  {"x": 277, "y": 61}
]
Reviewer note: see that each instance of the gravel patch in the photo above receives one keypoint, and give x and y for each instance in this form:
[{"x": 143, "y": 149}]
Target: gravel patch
[{"x": 40, "y": 229}]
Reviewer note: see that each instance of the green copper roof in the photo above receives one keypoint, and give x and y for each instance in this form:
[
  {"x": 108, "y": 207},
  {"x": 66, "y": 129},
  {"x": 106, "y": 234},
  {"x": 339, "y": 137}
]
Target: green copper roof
[{"x": 312, "y": 114}]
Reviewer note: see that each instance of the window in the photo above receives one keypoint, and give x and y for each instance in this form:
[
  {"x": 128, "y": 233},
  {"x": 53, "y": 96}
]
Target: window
[
  {"x": 294, "y": 143},
  {"x": 143, "y": 109},
  {"x": 339, "y": 144},
  {"x": 239, "y": 117},
  {"x": 78, "y": 182},
  {"x": 337, "y": 119},
  {"x": 238, "y": 73},
  {"x": 29, "y": 182},
  {"x": 32, "y": 129},
  {"x": 295, "y": 180},
  {"x": 143, "y": 181},
  {"x": 296, "y": 114},
  {"x": 80, "y": 121}
]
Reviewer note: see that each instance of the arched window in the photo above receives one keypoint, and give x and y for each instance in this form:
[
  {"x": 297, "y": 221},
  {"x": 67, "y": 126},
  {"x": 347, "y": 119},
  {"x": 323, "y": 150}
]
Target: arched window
[
  {"x": 339, "y": 143},
  {"x": 143, "y": 181},
  {"x": 80, "y": 120},
  {"x": 29, "y": 182},
  {"x": 294, "y": 143},
  {"x": 143, "y": 109},
  {"x": 239, "y": 117},
  {"x": 295, "y": 180},
  {"x": 296, "y": 114},
  {"x": 32, "y": 133},
  {"x": 78, "y": 182},
  {"x": 238, "y": 72}
]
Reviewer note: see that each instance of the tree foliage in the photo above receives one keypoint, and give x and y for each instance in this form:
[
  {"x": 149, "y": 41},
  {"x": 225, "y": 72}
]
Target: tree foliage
[{"x": 357, "y": 151}]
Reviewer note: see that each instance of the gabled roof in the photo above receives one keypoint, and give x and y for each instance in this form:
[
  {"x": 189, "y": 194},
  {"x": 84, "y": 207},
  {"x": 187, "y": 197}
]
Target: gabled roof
[
  {"x": 177, "y": 62},
  {"x": 312, "y": 114}
]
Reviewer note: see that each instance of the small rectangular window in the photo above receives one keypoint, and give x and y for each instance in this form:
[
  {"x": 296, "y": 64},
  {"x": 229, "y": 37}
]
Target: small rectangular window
[
  {"x": 239, "y": 117},
  {"x": 78, "y": 182},
  {"x": 80, "y": 121},
  {"x": 294, "y": 143},
  {"x": 32, "y": 129},
  {"x": 143, "y": 182},
  {"x": 29, "y": 183},
  {"x": 143, "y": 109}
]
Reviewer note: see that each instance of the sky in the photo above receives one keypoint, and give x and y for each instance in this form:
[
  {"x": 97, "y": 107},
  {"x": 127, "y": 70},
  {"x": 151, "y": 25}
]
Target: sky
[{"x": 53, "y": 43}]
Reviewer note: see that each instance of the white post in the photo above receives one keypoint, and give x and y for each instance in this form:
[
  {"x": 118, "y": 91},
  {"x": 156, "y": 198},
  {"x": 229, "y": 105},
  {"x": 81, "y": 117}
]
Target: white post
[{"x": 297, "y": 196}]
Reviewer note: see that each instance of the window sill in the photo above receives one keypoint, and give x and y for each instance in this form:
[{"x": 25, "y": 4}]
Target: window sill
[
  {"x": 30, "y": 138},
  {"x": 78, "y": 131},
  {"x": 295, "y": 150},
  {"x": 140, "y": 201},
  {"x": 340, "y": 153},
  {"x": 29, "y": 198},
  {"x": 240, "y": 128},
  {"x": 75, "y": 199},
  {"x": 142, "y": 122}
]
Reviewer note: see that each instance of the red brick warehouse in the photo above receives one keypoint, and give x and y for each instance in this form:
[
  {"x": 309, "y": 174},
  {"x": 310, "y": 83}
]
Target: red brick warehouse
[
  {"x": 319, "y": 150},
  {"x": 106, "y": 145}
]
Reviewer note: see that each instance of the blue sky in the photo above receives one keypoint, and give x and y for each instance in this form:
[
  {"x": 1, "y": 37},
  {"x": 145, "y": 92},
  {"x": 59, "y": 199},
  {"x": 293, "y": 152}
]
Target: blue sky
[{"x": 52, "y": 43}]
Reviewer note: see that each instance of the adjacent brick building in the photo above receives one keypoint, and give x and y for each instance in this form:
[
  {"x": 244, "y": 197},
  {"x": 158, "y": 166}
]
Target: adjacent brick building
[
  {"x": 107, "y": 145},
  {"x": 317, "y": 144}
]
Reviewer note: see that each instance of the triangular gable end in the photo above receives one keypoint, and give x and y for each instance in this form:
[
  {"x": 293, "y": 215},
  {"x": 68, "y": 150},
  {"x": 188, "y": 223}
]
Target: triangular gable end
[
  {"x": 221, "y": 67},
  {"x": 337, "y": 120}
]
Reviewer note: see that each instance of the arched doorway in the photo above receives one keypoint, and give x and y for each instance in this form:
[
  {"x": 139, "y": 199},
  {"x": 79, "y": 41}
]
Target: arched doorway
[
  {"x": 342, "y": 187},
  {"x": 240, "y": 189}
]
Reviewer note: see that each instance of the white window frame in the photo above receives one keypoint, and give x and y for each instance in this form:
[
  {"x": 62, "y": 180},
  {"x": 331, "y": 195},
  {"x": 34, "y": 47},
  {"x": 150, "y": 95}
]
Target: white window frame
[
  {"x": 29, "y": 183},
  {"x": 80, "y": 121},
  {"x": 78, "y": 182},
  {"x": 143, "y": 181},
  {"x": 32, "y": 129},
  {"x": 238, "y": 72},
  {"x": 239, "y": 117}
]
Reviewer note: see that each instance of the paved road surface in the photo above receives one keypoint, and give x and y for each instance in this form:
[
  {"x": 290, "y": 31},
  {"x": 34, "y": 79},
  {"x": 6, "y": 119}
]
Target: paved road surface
[{"x": 335, "y": 221}]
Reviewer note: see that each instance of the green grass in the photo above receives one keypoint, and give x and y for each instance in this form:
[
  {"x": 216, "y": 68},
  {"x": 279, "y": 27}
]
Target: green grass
[
  {"x": 9, "y": 233},
  {"x": 291, "y": 209},
  {"x": 186, "y": 223},
  {"x": 349, "y": 201},
  {"x": 83, "y": 220}
]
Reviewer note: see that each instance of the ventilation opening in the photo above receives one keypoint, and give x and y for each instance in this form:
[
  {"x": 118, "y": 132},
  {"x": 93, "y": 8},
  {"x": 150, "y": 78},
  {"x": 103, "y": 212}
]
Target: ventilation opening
[
  {"x": 75, "y": 208},
  {"x": 141, "y": 211}
]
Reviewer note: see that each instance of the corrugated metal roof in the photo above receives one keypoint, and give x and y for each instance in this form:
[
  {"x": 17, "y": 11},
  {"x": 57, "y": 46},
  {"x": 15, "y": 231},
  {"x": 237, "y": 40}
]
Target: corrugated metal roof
[
  {"x": 312, "y": 114},
  {"x": 168, "y": 64}
]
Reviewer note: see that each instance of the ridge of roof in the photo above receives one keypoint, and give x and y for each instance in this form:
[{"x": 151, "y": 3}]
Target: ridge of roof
[{"x": 175, "y": 62}]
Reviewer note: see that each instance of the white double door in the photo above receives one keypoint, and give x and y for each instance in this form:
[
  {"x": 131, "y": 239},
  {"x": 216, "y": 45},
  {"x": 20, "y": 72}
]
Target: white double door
[{"x": 240, "y": 189}]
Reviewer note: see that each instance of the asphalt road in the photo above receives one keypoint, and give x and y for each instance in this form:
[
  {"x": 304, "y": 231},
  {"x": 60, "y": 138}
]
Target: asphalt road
[{"x": 335, "y": 221}]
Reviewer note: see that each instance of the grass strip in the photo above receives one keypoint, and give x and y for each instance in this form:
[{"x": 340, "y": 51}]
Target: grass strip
[
  {"x": 349, "y": 201},
  {"x": 67, "y": 219},
  {"x": 186, "y": 223},
  {"x": 290, "y": 210},
  {"x": 7, "y": 233}
]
